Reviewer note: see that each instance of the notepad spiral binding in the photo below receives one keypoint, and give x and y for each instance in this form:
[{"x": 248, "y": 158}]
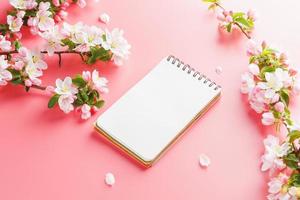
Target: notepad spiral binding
[{"x": 173, "y": 60}]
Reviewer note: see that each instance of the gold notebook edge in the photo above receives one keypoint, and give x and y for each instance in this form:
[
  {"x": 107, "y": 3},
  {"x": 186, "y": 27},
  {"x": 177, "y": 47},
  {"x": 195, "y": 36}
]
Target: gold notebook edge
[{"x": 140, "y": 160}]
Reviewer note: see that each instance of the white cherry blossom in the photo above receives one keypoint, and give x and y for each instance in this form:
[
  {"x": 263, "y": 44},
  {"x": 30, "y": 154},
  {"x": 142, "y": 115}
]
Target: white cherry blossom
[
  {"x": 274, "y": 151},
  {"x": 65, "y": 87},
  {"x": 5, "y": 45},
  {"x": 118, "y": 45},
  {"x": 65, "y": 103},
  {"x": 5, "y": 75},
  {"x": 100, "y": 83}
]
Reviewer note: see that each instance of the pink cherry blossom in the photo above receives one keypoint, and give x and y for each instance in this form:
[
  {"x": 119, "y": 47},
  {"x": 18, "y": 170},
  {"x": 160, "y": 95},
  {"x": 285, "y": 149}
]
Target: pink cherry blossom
[
  {"x": 252, "y": 15},
  {"x": 86, "y": 75},
  {"x": 81, "y": 3},
  {"x": 253, "y": 68},
  {"x": 65, "y": 103},
  {"x": 19, "y": 65},
  {"x": 100, "y": 83},
  {"x": 14, "y": 23},
  {"x": 253, "y": 48},
  {"x": 268, "y": 118},
  {"x": 5, "y": 45}
]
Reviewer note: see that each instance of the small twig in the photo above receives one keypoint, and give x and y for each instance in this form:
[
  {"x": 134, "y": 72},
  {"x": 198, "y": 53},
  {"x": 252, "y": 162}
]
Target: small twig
[
  {"x": 237, "y": 24},
  {"x": 219, "y": 5},
  {"x": 59, "y": 53},
  {"x": 59, "y": 59},
  {"x": 39, "y": 87},
  {"x": 81, "y": 56},
  {"x": 243, "y": 31}
]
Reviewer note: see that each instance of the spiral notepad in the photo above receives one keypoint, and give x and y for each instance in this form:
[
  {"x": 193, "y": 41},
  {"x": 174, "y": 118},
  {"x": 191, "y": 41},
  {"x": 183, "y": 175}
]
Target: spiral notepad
[{"x": 155, "y": 112}]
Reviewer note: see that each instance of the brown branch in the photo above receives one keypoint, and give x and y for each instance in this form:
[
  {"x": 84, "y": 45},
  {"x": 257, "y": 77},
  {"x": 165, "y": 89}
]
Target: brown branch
[
  {"x": 243, "y": 31},
  {"x": 59, "y": 53},
  {"x": 38, "y": 87},
  {"x": 45, "y": 52},
  {"x": 219, "y": 5}
]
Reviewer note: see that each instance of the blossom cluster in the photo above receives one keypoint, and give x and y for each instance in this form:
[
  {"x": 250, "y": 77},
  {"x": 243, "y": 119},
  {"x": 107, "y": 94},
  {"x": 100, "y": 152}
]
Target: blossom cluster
[
  {"x": 270, "y": 82},
  {"x": 81, "y": 93},
  {"x": 38, "y": 15},
  {"x": 25, "y": 68},
  {"x": 282, "y": 160},
  {"x": 229, "y": 20},
  {"x": 21, "y": 66},
  {"x": 91, "y": 42}
]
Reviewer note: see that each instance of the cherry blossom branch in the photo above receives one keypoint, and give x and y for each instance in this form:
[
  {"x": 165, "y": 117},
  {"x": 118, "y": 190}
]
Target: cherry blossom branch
[
  {"x": 44, "y": 52},
  {"x": 59, "y": 53},
  {"x": 243, "y": 31},
  {"x": 244, "y": 22},
  {"x": 21, "y": 66}
]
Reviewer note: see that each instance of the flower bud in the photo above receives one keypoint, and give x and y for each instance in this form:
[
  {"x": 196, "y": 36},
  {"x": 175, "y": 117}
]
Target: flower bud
[
  {"x": 263, "y": 44},
  {"x": 57, "y": 18},
  {"x": 56, "y": 2},
  {"x": 253, "y": 68},
  {"x": 252, "y": 15},
  {"x": 279, "y": 106}
]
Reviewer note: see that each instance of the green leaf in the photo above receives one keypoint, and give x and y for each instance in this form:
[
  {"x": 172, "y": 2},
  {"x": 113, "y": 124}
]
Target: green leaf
[
  {"x": 3, "y": 28},
  {"x": 243, "y": 21},
  {"x": 284, "y": 96},
  {"x": 93, "y": 96},
  {"x": 53, "y": 100},
  {"x": 69, "y": 43},
  {"x": 79, "y": 81},
  {"x": 294, "y": 180},
  {"x": 294, "y": 135},
  {"x": 212, "y": 7},
  {"x": 237, "y": 15},
  {"x": 98, "y": 54},
  {"x": 291, "y": 161},
  {"x": 78, "y": 102},
  {"x": 99, "y": 104},
  {"x": 83, "y": 95},
  {"x": 17, "y": 44},
  {"x": 228, "y": 27},
  {"x": 266, "y": 69},
  {"x": 16, "y": 76}
]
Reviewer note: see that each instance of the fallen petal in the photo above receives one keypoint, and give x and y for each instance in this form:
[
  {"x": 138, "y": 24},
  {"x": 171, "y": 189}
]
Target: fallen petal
[
  {"x": 110, "y": 179},
  {"x": 204, "y": 160}
]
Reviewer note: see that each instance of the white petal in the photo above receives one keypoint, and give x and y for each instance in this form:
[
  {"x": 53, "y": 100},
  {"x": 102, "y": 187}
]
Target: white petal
[
  {"x": 204, "y": 160},
  {"x": 110, "y": 179},
  {"x": 219, "y": 70},
  {"x": 104, "y": 17}
]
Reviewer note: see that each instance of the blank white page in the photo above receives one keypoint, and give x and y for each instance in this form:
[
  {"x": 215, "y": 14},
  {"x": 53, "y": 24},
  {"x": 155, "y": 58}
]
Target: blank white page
[{"x": 154, "y": 111}]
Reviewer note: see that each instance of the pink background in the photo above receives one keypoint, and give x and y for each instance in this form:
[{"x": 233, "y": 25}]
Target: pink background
[{"x": 45, "y": 154}]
